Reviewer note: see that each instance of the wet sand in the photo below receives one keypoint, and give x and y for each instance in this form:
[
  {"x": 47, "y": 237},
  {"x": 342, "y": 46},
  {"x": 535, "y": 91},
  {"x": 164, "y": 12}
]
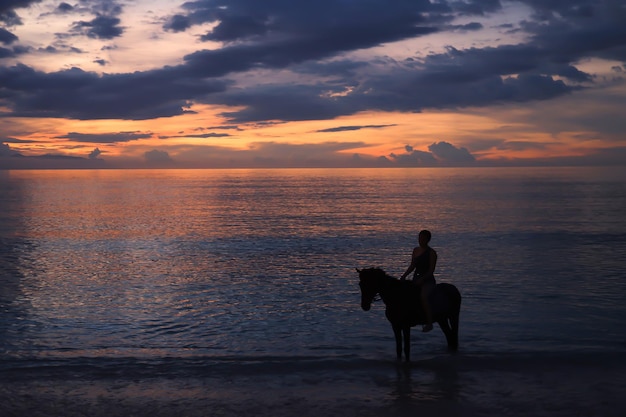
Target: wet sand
[{"x": 425, "y": 389}]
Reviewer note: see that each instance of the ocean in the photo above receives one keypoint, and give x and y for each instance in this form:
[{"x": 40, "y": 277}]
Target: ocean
[{"x": 229, "y": 292}]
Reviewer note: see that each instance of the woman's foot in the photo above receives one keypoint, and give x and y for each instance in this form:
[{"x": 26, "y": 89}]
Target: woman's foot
[{"x": 427, "y": 328}]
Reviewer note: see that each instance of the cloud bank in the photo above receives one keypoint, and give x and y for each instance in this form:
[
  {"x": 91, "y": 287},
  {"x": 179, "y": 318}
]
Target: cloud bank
[{"x": 309, "y": 62}]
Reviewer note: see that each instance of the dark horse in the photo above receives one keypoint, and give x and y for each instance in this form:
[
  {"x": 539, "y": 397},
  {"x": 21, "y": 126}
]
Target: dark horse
[{"x": 404, "y": 309}]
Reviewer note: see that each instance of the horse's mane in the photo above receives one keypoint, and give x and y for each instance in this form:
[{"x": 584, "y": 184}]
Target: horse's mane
[
  {"x": 379, "y": 272},
  {"x": 383, "y": 277},
  {"x": 387, "y": 275}
]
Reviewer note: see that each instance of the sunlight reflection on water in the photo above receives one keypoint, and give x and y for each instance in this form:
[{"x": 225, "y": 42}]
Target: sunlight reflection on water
[{"x": 262, "y": 262}]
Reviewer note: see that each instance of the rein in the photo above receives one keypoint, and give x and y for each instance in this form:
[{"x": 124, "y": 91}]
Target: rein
[{"x": 377, "y": 282}]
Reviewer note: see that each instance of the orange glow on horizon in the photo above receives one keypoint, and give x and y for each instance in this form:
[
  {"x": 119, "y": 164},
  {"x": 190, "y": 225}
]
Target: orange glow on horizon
[{"x": 370, "y": 134}]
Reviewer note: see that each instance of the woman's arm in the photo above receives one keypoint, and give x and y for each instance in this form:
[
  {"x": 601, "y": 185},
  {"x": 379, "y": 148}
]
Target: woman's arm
[
  {"x": 411, "y": 266},
  {"x": 408, "y": 271}
]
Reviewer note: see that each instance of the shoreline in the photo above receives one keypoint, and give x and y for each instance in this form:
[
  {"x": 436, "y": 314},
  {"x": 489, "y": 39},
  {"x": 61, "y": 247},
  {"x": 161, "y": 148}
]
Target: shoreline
[{"x": 445, "y": 388}]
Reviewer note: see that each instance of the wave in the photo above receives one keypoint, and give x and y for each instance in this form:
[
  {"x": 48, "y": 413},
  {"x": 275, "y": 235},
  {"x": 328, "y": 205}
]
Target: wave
[
  {"x": 545, "y": 384},
  {"x": 205, "y": 366}
]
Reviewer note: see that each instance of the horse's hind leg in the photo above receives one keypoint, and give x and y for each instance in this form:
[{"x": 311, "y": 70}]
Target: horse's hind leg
[
  {"x": 453, "y": 344},
  {"x": 397, "y": 332},
  {"x": 451, "y": 337}
]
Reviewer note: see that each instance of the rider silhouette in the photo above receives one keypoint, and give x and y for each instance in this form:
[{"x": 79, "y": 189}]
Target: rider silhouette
[{"x": 423, "y": 262}]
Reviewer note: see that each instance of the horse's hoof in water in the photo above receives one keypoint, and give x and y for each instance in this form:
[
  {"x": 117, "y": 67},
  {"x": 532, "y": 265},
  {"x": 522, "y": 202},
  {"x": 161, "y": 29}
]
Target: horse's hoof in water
[{"x": 427, "y": 328}]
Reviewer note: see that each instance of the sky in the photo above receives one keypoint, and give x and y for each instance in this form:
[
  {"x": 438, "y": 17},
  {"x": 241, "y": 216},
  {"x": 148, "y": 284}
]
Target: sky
[{"x": 324, "y": 83}]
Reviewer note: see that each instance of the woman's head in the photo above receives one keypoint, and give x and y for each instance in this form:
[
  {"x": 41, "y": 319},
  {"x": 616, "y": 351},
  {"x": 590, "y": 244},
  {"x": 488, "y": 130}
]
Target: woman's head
[{"x": 424, "y": 237}]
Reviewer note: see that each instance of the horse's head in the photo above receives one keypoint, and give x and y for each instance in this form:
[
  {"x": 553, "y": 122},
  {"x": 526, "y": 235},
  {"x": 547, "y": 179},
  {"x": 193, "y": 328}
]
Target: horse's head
[{"x": 369, "y": 282}]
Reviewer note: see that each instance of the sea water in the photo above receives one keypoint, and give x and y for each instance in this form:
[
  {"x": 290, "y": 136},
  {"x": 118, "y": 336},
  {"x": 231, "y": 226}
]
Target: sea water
[{"x": 249, "y": 276}]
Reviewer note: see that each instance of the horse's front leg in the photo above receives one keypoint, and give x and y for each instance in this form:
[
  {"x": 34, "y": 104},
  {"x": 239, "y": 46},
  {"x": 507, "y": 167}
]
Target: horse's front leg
[
  {"x": 407, "y": 343},
  {"x": 397, "y": 332}
]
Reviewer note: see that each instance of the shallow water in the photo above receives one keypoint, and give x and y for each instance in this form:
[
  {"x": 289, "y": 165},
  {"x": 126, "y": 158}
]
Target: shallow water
[{"x": 184, "y": 273}]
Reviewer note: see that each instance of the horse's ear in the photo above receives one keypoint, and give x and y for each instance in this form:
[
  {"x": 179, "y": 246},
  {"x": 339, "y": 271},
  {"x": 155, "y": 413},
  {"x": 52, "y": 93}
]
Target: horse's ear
[{"x": 358, "y": 270}]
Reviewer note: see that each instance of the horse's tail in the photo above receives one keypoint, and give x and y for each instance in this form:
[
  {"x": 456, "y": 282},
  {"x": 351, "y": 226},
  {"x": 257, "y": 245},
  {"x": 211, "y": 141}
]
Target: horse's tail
[
  {"x": 454, "y": 298},
  {"x": 454, "y": 318}
]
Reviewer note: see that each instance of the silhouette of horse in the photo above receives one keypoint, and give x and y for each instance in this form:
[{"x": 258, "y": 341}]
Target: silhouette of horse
[{"x": 404, "y": 309}]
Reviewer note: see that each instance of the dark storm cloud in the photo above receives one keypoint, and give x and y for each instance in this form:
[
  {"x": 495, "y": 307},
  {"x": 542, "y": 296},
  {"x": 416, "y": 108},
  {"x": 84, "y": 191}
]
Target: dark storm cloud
[
  {"x": 60, "y": 49},
  {"x": 239, "y": 20},
  {"x": 105, "y": 137},
  {"x": 209, "y": 135},
  {"x": 10, "y": 159},
  {"x": 6, "y": 151},
  {"x": 199, "y": 135},
  {"x": 310, "y": 39},
  {"x": 413, "y": 158},
  {"x": 288, "y": 33},
  {"x": 6, "y": 53},
  {"x": 9, "y": 17},
  {"x": 342, "y": 70},
  {"x": 15, "y": 140},
  {"x": 476, "y": 7},
  {"x": 105, "y": 24},
  {"x": 225, "y": 127},
  {"x": 457, "y": 67},
  {"x": 78, "y": 94},
  {"x": 509, "y": 73},
  {"x": 59, "y": 157},
  {"x": 440, "y": 154},
  {"x": 156, "y": 157},
  {"x": 95, "y": 153},
  {"x": 7, "y": 37},
  {"x": 578, "y": 29},
  {"x": 64, "y": 8},
  {"x": 282, "y": 53},
  {"x": 7, "y": 10},
  {"x": 456, "y": 78},
  {"x": 546, "y": 9},
  {"x": 449, "y": 154},
  {"x": 285, "y": 103},
  {"x": 101, "y": 27},
  {"x": 467, "y": 27},
  {"x": 401, "y": 89},
  {"x": 348, "y": 128}
]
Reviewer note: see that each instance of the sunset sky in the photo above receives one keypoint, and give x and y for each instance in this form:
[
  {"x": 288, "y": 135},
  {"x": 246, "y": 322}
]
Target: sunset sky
[{"x": 325, "y": 83}]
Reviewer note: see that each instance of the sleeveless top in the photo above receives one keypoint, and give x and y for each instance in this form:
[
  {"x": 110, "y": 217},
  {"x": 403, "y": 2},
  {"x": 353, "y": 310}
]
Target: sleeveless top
[{"x": 422, "y": 265}]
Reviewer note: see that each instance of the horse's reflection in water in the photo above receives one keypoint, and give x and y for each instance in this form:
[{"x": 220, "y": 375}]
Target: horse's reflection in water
[{"x": 425, "y": 390}]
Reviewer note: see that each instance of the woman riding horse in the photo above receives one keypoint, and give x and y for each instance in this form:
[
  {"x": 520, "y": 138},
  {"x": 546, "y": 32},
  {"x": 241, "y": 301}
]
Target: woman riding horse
[
  {"x": 403, "y": 310},
  {"x": 423, "y": 262}
]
